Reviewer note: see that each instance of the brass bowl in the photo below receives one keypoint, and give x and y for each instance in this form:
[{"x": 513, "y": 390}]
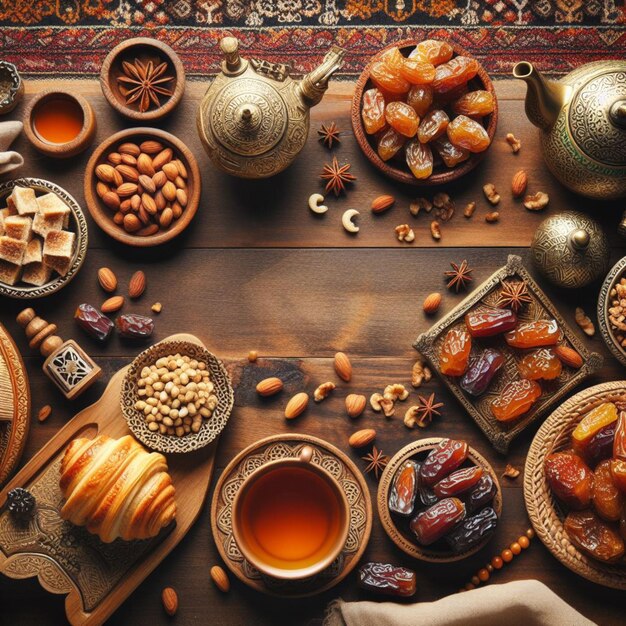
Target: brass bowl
[
  {"x": 78, "y": 225},
  {"x": 211, "y": 427},
  {"x": 401, "y": 537},
  {"x": 400, "y": 172},
  {"x": 144, "y": 49},
  {"x": 544, "y": 511},
  {"x": 103, "y": 216},
  {"x": 11, "y": 87},
  {"x": 604, "y": 301}
]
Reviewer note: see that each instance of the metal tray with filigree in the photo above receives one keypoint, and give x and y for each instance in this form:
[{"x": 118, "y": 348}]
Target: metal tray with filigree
[
  {"x": 501, "y": 434},
  {"x": 333, "y": 461},
  {"x": 78, "y": 225}
]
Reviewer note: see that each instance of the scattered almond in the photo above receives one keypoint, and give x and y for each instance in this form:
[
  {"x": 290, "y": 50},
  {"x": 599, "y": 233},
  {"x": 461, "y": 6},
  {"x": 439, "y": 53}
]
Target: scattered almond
[
  {"x": 113, "y": 304},
  {"x": 296, "y": 405},
  {"x": 220, "y": 578},
  {"x": 510, "y": 471},
  {"x": 432, "y": 302},
  {"x": 44, "y": 413},
  {"x": 469, "y": 209},
  {"x": 269, "y": 386},
  {"x": 514, "y": 142},
  {"x": 382, "y": 203},
  {"x": 137, "y": 284},
  {"x": 491, "y": 193},
  {"x": 323, "y": 390},
  {"x": 492, "y": 217},
  {"x": 362, "y": 438},
  {"x": 107, "y": 279},
  {"x": 169, "y": 597},
  {"x": 584, "y": 321},
  {"x": 569, "y": 356},
  {"x": 343, "y": 367},
  {"x": 355, "y": 404},
  {"x": 253, "y": 355},
  {"x": 519, "y": 184},
  {"x": 157, "y": 307}
]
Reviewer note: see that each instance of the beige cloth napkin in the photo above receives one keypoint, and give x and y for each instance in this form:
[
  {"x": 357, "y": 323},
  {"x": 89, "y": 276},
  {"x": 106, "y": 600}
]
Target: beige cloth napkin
[
  {"x": 520, "y": 603},
  {"x": 9, "y": 160}
]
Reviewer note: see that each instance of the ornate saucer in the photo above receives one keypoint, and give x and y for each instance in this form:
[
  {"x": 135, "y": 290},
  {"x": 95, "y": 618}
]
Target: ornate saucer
[{"x": 333, "y": 461}]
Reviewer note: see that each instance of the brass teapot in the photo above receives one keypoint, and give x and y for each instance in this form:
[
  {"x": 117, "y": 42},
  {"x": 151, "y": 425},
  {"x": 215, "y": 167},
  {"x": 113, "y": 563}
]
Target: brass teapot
[
  {"x": 254, "y": 118},
  {"x": 582, "y": 119}
]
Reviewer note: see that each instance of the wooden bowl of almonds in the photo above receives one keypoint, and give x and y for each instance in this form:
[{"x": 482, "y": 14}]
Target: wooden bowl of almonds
[
  {"x": 612, "y": 313},
  {"x": 142, "y": 186},
  {"x": 176, "y": 397}
]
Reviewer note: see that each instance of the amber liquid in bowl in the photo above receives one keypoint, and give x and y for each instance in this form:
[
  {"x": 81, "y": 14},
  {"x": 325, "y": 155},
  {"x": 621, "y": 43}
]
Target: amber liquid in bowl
[
  {"x": 290, "y": 518},
  {"x": 58, "y": 120}
]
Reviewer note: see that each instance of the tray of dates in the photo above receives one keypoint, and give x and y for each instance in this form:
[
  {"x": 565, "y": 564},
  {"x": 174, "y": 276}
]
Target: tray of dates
[
  {"x": 575, "y": 483},
  {"x": 424, "y": 113},
  {"x": 439, "y": 500},
  {"x": 506, "y": 353}
]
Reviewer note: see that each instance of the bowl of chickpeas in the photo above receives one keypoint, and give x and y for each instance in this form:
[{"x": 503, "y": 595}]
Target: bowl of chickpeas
[{"x": 424, "y": 113}]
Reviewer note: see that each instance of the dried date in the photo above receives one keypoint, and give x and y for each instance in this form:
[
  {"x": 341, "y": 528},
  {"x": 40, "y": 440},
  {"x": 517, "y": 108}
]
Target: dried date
[
  {"x": 594, "y": 537},
  {"x": 607, "y": 498},
  {"x": 482, "y": 494},
  {"x": 600, "y": 446},
  {"x": 473, "y": 530},
  {"x": 388, "y": 579},
  {"x": 93, "y": 322},
  {"x": 133, "y": 326},
  {"x": 404, "y": 488},
  {"x": 442, "y": 460},
  {"x": 438, "y": 520},
  {"x": 458, "y": 481},
  {"x": 481, "y": 371},
  {"x": 487, "y": 321},
  {"x": 570, "y": 479}
]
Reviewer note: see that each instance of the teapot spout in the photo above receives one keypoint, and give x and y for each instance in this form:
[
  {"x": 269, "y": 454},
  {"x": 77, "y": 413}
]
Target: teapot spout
[
  {"x": 544, "y": 98},
  {"x": 314, "y": 84}
]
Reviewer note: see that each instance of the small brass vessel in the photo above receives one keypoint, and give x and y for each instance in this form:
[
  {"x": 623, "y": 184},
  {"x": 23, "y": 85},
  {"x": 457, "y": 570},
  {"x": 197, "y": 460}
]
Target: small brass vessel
[
  {"x": 570, "y": 249},
  {"x": 582, "y": 122},
  {"x": 254, "y": 118}
]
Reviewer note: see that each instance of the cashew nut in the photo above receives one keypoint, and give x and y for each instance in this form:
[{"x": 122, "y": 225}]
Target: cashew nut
[
  {"x": 347, "y": 222},
  {"x": 314, "y": 203}
]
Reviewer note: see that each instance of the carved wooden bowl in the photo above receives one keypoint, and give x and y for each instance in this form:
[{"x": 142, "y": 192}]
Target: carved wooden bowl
[
  {"x": 544, "y": 511},
  {"x": 399, "y": 170},
  {"x": 399, "y": 532},
  {"x": 77, "y": 224},
  {"x": 145, "y": 50},
  {"x": 103, "y": 216},
  {"x": 210, "y": 428},
  {"x": 604, "y": 302}
]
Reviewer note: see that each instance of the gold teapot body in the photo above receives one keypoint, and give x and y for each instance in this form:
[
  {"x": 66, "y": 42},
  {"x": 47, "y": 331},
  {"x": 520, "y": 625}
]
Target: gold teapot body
[
  {"x": 254, "y": 118},
  {"x": 582, "y": 122}
]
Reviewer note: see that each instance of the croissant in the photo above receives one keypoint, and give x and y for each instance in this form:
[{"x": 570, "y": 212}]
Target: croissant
[{"x": 116, "y": 488}]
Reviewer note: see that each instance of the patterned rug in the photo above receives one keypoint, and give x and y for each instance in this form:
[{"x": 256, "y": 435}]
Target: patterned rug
[{"x": 71, "y": 37}]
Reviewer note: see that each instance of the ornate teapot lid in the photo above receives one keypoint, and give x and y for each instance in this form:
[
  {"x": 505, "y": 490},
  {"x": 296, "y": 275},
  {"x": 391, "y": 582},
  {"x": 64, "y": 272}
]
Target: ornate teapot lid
[{"x": 597, "y": 115}]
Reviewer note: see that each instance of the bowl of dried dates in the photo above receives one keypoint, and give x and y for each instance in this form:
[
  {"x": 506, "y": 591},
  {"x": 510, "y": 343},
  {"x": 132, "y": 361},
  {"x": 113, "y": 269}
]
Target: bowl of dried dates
[
  {"x": 439, "y": 500},
  {"x": 575, "y": 483},
  {"x": 424, "y": 113},
  {"x": 142, "y": 186},
  {"x": 612, "y": 312}
]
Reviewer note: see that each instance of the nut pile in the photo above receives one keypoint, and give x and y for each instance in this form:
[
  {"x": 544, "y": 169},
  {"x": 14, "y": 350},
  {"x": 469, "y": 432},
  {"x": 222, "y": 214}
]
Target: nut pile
[
  {"x": 176, "y": 395},
  {"x": 144, "y": 185},
  {"x": 617, "y": 311}
]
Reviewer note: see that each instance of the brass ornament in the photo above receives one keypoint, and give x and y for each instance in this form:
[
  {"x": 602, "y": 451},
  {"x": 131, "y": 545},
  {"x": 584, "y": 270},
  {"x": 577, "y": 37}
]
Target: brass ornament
[
  {"x": 570, "y": 249},
  {"x": 582, "y": 122},
  {"x": 254, "y": 118}
]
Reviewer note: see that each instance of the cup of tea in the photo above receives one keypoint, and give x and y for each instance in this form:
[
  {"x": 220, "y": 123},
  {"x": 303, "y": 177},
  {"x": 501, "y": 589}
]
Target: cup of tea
[{"x": 291, "y": 518}]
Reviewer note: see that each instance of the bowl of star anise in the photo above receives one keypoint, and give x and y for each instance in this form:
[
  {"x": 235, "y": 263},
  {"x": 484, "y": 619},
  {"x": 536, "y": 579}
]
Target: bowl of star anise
[
  {"x": 143, "y": 79},
  {"x": 424, "y": 113}
]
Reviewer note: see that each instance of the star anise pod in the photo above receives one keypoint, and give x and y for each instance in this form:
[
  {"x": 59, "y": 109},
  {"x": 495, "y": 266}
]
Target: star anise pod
[
  {"x": 427, "y": 409},
  {"x": 143, "y": 83},
  {"x": 338, "y": 176},
  {"x": 459, "y": 276},
  {"x": 514, "y": 294},
  {"x": 377, "y": 461},
  {"x": 329, "y": 134}
]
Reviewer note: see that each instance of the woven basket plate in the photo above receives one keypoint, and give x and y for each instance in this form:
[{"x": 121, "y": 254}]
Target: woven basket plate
[
  {"x": 418, "y": 450},
  {"x": 545, "y": 512},
  {"x": 211, "y": 427},
  {"x": 78, "y": 225}
]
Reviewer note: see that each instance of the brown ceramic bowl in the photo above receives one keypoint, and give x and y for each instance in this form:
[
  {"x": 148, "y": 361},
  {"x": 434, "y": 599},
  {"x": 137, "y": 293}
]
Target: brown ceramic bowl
[
  {"x": 398, "y": 529},
  {"x": 145, "y": 50},
  {"x": 398, "y": 170},
  {"x": 60, "y": 150},
  {"x": 103, "y": 216}
]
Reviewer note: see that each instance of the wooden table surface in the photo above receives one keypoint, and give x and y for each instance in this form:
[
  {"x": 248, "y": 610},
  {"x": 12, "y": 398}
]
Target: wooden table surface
[{"x": 257, "y": 270}]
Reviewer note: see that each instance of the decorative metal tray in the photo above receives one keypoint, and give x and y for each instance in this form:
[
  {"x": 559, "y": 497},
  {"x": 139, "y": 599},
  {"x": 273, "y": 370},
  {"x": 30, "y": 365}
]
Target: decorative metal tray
[{"x": 429, "y": 344}]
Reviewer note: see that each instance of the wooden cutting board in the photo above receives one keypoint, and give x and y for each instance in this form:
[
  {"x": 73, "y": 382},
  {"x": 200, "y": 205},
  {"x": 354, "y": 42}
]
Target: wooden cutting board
[{"x": 96, "y": 577}]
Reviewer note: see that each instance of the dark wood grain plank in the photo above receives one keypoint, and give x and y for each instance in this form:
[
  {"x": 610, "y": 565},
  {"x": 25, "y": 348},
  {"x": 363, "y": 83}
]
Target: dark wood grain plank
[{"x": 274, "y": 213}]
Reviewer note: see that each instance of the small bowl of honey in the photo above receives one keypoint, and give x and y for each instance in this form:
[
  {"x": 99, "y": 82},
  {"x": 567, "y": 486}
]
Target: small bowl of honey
[{"x": 59, "y": 124}]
